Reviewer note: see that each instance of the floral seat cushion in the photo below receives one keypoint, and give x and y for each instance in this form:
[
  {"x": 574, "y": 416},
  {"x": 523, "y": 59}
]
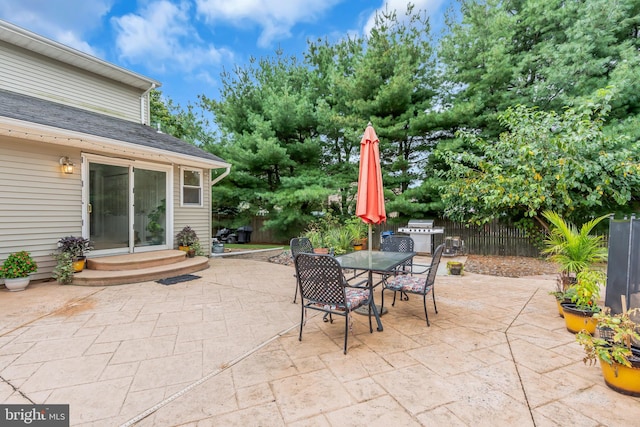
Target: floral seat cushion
[
  {"x": 356, "y": 297},
  {"x": 405, "y": 283}
]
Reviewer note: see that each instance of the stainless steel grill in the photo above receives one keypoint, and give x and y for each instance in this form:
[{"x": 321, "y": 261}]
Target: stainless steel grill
[{"x": 420, "y": 230}]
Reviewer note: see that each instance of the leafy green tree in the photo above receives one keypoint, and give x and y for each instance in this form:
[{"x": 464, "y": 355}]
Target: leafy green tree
[
  {"x": 267, "y": 119},
  {"x": 386, "y": 78},
  {"x": 547, "y": 53},
  {"x": 545, "y": 161},
  {"x": 187, "y": 125},
  {"x": 292, "y": 131}
]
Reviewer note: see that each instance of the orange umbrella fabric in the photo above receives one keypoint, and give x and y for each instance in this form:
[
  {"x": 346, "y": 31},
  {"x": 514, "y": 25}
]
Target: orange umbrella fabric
[{"x": 370, "y": 200}]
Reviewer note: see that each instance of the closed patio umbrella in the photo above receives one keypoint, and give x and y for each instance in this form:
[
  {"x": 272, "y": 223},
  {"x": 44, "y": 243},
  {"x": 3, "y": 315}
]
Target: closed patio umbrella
[{"x": 370, "y": 200}]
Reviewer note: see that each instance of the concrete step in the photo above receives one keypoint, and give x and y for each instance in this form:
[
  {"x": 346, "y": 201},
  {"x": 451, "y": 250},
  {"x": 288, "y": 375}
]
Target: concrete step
[
  {"x": 136, "y": 261},
  {"x": 90, "y": 277}
]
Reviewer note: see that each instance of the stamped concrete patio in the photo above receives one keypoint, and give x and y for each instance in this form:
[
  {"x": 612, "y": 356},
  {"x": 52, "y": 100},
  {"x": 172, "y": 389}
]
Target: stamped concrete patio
[{"x": 223, "y": 350}]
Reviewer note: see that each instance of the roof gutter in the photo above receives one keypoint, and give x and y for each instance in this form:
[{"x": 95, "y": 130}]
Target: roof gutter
[{"x": 219, "y": 178}]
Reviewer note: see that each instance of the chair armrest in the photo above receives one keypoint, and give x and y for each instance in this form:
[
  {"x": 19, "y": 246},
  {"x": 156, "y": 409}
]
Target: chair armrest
[
  {"x": 426, "y": 268},
  {"x": 360, "y": 284}
]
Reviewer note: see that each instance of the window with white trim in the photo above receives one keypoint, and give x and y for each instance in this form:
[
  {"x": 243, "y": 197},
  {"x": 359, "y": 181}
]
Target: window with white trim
[{"x": 191, "y": 184}]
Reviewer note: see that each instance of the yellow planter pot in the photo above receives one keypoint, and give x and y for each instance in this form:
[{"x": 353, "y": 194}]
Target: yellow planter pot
[
  {"x": 577, "y": 320},
  {"x": 560, "y": 310},
  {"x": 622, "y": 379},
  {"x": 78, "y": 265}
]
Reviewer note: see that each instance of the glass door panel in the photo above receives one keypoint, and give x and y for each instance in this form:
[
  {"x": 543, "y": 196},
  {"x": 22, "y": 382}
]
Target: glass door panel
[
  {"x": 150, "y": 202},
  {"x": 109, "y": 206}
]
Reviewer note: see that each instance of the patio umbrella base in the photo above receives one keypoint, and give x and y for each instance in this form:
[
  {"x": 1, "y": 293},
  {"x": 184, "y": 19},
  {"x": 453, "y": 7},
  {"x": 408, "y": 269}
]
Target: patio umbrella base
[{"x": 364, "y": 310}]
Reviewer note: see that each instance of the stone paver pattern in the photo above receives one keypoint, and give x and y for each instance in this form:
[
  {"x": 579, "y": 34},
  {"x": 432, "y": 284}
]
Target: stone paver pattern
[{"x": 224, "y": 350}]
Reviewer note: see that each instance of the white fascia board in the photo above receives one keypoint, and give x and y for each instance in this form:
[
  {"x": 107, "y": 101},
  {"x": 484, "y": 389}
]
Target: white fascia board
[{"x": 92, "y": 143}]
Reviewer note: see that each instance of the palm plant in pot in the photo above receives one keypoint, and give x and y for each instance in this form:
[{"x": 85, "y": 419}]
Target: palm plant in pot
[
  {"x": 573, "y": 249},
  {"x": 16, "y": 270},
  {"x": 613, "y": 346}
]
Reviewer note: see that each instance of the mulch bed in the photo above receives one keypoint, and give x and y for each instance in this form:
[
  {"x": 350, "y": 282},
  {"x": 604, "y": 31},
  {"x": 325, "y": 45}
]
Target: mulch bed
[{"x": 509, "y": 266}]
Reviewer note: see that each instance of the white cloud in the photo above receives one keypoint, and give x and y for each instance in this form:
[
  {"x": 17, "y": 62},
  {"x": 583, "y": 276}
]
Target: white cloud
[
  {"x": 65, "y": 22},
  {"x": 430, "y": 6},
  {"x": 276, "y": 17},
  {"x": 161, "y": 37}
]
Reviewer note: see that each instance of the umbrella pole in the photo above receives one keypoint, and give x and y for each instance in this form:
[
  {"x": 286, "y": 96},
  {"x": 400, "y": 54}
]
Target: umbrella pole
[{"x": 370, "y": 242}]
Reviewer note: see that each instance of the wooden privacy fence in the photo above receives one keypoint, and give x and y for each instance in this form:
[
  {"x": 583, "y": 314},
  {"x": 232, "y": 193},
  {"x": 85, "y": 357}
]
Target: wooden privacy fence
[{"x": 489, "y": 239}]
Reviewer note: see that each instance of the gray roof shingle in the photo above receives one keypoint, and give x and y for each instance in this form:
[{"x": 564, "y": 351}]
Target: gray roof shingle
[{"x": 30, "y": 109}]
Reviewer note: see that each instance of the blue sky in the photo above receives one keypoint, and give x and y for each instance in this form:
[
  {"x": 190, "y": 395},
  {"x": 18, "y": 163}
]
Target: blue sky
[{"x": 185, "y": 44}]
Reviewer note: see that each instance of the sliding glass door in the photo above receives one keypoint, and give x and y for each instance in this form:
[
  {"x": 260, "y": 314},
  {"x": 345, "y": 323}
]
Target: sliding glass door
[
  {"x": 150, "y": 207},
  {"x": 126, "y": 206},
  {"x": 109, "y": 188}
]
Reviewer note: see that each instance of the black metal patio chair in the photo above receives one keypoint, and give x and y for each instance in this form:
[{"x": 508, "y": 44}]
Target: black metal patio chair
[
  {"x": 299, "y": 245},
  {"x": 419, "y": 285},
  {"x": 323, "y": 287},
  {"x": 403, "y": 244}
]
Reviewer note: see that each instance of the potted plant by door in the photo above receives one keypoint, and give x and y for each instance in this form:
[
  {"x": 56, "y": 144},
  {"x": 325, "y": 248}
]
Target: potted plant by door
[
  {"x": 16, "y": 270},
  {"x": 63, "y": 271},
  {"x": 585, "y": 294},
  {"x": 186, "y": 238},
  {"x": 77, "y": 247},
  {"x": 573, "y": 249},
  {"x": 614, "y": 347}
]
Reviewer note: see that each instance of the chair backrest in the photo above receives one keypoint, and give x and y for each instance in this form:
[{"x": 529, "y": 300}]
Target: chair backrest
[
  {"x": 397, "y": 244},
  {"x": 435, "y": 262},
  {"x": 320, "y": 279},
  {"x": 300, "y": 245}
]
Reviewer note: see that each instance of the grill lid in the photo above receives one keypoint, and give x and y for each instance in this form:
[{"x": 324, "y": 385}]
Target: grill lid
[{"x": 420, "y": 223}]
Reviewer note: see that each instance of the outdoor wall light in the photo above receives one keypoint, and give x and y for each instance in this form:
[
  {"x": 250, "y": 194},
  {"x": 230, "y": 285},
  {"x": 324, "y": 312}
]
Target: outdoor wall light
[{"x": 67, "y": 166}]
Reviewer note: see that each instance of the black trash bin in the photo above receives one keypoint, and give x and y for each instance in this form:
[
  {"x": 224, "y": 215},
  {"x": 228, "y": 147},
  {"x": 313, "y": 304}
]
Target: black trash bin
[{"x": 244, "y": 234}]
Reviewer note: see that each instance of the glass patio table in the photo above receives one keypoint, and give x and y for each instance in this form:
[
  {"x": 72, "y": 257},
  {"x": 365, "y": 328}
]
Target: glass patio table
[{"x": 374, "y": 261}]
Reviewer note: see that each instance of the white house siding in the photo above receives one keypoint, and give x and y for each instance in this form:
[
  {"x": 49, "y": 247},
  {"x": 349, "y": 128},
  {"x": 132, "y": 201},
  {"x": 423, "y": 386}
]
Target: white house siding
[
  {"x": 27, "y": 73},
  {"x": 198, "y": 218},
  {"x": 38, "y": 203}
]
